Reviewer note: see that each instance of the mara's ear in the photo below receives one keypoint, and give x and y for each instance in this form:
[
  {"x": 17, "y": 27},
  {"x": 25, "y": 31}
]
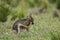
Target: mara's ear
[{"x": 29, "y": 15}]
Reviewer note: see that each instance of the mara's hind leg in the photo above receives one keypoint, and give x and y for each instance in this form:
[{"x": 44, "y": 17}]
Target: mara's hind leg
[{"x": 19, "y": 28}]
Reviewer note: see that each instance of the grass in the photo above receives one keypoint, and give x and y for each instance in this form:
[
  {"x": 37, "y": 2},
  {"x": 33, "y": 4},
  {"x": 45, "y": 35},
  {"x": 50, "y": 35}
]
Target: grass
[{"x": 45, "y": 28}]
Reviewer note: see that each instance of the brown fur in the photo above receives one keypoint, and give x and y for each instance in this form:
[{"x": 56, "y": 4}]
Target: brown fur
[
  {"x": 23, "y": 23},
  {"x": 42, "y": 10},
  {"x": 55, "y": 14}
]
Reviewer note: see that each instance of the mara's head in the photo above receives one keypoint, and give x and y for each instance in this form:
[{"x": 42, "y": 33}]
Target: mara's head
[{"x": 30, "y": 19}]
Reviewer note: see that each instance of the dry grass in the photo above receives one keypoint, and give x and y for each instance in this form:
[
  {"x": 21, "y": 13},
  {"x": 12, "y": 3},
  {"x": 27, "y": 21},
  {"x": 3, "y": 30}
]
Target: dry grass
[{"x": 45, "y": 28}]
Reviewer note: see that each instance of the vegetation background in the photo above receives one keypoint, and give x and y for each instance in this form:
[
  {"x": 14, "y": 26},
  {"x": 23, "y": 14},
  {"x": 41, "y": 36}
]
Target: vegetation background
[{"x": 45, "y": 28}]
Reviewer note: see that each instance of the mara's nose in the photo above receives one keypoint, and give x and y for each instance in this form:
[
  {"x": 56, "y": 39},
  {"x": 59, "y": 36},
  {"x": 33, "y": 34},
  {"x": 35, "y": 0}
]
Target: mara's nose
[{"x": 32, "y": 23}]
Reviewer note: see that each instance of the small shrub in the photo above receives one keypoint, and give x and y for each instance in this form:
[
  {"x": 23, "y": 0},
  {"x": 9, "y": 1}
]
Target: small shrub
[
  {"x": 52, "y": 1},
  {"x": 55, "y": 36},
  {"x": 18, "y": 14},
  {"x": 45, "y": 3},
  {"x": 4, "y": 12},
  {"x": 12, "y": 3},
  {"x": 58, "y": 4}
]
